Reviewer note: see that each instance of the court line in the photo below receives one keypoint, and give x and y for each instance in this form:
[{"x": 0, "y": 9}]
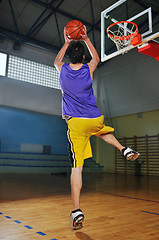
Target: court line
[
  {"x": 123, "y": 196},
  {"x": 16, "y": 221},
  {"x": 150, "y": 212},
  {"x": 41, "y": 233},
  {"x": 27, "y": 226}
]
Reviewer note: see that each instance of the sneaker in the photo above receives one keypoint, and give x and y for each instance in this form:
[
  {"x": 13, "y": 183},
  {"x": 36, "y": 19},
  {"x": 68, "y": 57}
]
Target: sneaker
[
  {"x": 130, "y": 154},
  {"x": 77, "y": 218}
]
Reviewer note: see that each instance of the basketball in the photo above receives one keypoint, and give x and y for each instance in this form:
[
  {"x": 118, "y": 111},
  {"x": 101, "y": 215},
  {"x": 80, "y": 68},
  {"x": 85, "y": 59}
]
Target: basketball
[{"x": 74, "y": 29}]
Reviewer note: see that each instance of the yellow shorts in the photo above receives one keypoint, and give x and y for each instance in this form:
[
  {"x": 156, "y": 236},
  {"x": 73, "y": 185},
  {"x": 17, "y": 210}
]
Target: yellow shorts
[{"x": 79, "y": 132}]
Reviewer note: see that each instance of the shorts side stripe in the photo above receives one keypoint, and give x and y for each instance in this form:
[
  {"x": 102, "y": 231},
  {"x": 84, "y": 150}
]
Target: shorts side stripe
[{"x": 73, "y": 160}]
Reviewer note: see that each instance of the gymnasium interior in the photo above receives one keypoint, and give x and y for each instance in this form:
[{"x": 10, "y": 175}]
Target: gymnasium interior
[{"x": 120, "y": 198}]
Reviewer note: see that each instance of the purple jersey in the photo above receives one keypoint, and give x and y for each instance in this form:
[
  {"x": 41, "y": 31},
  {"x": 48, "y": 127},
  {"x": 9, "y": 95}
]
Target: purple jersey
[{"x": 78, "y": 97}]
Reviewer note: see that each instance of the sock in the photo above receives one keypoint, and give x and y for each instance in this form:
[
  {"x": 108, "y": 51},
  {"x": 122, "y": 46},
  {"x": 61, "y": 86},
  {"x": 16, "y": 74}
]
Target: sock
[
  {"x": 122, "y": 151},
  {"x": 77, "y": 210}
]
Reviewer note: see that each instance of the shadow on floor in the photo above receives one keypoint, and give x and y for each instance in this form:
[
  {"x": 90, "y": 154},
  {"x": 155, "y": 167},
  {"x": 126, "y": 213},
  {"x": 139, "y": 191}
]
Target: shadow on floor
[{"x": 82, "y": 236}]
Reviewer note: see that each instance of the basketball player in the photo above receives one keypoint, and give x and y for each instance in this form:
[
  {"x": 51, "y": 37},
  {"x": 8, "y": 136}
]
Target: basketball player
[{"x": 81, "y": 113}]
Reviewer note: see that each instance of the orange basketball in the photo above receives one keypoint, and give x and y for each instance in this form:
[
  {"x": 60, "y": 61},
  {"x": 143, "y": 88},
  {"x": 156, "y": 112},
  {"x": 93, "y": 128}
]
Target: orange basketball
[{"x": 74, "y": 29}]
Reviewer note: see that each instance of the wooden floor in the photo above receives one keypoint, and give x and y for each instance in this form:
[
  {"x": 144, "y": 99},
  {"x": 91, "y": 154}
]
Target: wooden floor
[{"x": 115, "y": 207}]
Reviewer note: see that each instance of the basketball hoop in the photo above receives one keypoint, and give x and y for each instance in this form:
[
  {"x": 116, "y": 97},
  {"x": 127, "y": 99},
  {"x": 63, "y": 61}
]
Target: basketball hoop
[{"x": 124, "y": 34}]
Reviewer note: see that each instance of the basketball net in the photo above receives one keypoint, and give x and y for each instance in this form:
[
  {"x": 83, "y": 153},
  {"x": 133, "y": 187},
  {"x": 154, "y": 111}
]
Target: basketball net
[{"x": 124, "y": 34}]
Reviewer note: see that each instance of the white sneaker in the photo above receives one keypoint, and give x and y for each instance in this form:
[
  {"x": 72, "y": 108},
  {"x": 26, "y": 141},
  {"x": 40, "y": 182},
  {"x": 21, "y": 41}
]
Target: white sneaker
[
  {"x": 77, "y": 218},
  {"x": 130, "y": 154}
]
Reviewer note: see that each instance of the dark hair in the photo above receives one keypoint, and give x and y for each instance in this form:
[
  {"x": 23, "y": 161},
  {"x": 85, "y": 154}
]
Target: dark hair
[{"x": 76, "y": 52}]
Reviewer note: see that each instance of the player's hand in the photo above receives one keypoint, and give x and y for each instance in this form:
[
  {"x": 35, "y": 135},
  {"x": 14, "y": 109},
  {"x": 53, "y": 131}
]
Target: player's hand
[
  {"x": 84, "y": 34},
  {"x": 67, "y": 40}
]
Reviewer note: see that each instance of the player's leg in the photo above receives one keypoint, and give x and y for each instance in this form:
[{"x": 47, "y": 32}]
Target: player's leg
[
  {"x": 126, "y": 151},
  {"x": 109, "y": 138},
  {"x": 77, "y": 145},
  {"x": 76, "y": 185}
]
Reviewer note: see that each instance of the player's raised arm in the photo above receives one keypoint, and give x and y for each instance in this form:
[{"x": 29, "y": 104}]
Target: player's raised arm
[
  {"x": 95, "y": 57},
  {"x": 58, "y": 60}
]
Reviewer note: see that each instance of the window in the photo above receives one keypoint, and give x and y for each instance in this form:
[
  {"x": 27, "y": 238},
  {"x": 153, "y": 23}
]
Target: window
[
  {"x": 33, "y": 72},
  {"x": 3, "y": 63}
]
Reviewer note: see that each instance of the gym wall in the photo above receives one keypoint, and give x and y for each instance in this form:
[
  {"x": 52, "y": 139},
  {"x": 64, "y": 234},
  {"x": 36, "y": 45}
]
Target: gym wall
[
  {"x": 128, "y": 84},
  {"x": 127, "y": 94},
  {"x": 18, "y": 127},
  {"x": 30, "y": 113}
]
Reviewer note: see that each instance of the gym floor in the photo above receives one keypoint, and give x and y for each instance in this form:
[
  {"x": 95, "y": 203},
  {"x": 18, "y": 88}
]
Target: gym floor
[{"x": 37, "y": 206}]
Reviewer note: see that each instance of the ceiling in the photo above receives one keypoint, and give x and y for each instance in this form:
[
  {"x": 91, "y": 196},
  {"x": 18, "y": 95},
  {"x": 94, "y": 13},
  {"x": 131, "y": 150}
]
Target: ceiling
[{"x": 41, "y": 22}]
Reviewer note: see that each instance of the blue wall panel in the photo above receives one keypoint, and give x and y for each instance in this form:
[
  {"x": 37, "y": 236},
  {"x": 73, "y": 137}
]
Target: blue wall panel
[{"x": 18, "y": 126}]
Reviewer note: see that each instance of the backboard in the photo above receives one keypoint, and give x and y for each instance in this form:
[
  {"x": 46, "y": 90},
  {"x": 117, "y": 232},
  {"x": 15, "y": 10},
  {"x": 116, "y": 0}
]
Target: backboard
[{"x": 124, "y": 10}]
